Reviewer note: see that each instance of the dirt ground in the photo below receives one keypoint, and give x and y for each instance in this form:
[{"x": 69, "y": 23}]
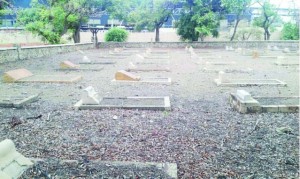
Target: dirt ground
[{"x": 202, "y": 134}]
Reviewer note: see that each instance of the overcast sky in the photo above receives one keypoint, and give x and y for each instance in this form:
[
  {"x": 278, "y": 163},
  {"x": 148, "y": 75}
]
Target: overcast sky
[{"x": 284, "y": 3}]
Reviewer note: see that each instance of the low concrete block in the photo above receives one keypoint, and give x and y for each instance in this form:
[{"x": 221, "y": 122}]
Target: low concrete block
[
  {"x": 15, "y": 75},
  {"x": 12, "y": 163},
  {"x": 86, "y": 59},
  {"x": 124, "y": 75},
  {"x": 286, "y": 50},
  {"x": 68, "y": 65},
  {"x": 243, "y": 95}
]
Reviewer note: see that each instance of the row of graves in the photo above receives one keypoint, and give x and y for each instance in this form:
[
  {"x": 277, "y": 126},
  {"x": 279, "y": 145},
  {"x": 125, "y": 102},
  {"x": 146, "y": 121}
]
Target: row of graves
[
  {"x": 242, "y": 100},
  {"x": 13, "y": 164}
]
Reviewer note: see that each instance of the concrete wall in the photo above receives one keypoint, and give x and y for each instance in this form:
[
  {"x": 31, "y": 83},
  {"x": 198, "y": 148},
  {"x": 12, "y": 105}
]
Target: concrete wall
[
  {"x": 23, "y": 53},
  {"x": 212, "y": 44}
]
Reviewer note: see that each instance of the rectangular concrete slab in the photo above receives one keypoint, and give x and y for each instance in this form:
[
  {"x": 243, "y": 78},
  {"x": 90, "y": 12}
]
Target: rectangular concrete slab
[
  {"x": 148, "y": 103},
  {"x": 51, "y": 79},
  {"x": 17, "y": 101},
  {"x": 98, "y": 62},
  {"x": 82, "y": 69},
  {"x": 250, "y": 82},
  {"x": 167, "y": 81},
  {"x": 15, "y": 75},
  {"x": 148, "y": 69},
  {"x": 265, "y": 104}
]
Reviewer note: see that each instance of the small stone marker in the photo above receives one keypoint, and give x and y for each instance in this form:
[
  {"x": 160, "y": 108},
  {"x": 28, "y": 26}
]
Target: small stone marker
[
  {"x": 255, "y": 54},
  {"x": 275, "y": 48},
  {"x": 124, "y": 75},
  {"x": 286, "y": 50},
  {"x": 86, "y": 59},
  {"x": 139, "y": 57},
  {"x": 89, "y": 96},
  {"x": 12, "y": 163},
  {"x": 222, "y": 77},
  {"x": 15, "y": 75},
  {"x": 68, "y": 65},
  {"x": 110, "y": 52},
  {"x": 243, "y": 95}
]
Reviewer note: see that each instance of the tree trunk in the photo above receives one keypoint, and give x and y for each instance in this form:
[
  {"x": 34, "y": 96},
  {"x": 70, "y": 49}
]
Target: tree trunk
[
  {"x": 76, "y": 35},
  {"x": 157, "y": 34},
  {"x": 235, "y": 28},
  {"x": 268, "y": 34}
]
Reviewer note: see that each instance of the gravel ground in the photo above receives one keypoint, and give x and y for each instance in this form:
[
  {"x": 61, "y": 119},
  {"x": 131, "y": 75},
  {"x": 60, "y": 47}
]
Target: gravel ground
[{"x": 202, "y": 134}]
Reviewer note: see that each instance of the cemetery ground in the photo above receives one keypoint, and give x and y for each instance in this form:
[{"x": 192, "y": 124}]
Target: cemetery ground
[{"x": 202, "y": 134}]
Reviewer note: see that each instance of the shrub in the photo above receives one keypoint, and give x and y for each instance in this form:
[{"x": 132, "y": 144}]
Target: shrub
[
  {"x": 290, "y": 32},
  {"x": 116, "y": 35}
]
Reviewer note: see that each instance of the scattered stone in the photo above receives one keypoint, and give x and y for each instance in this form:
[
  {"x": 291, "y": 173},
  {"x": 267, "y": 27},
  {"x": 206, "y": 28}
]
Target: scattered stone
[{"x": 68, "y": 65}]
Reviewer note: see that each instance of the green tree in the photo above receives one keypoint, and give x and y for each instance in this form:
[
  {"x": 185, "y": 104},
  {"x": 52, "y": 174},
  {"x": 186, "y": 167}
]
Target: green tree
[
  {"x": 152, "y": 14},
  {"x": 237, "y": 7},
  {"x": 290, "y": 32},
  {"x": 55, "y": 18},
  {"x": 200, "y": 21},
  {"x": 207, "y": 25},
  {"x": 267, "y": 18}
]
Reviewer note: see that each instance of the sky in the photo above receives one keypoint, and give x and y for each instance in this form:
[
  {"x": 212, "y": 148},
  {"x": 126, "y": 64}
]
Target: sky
[{"x": 284, "y": 3}]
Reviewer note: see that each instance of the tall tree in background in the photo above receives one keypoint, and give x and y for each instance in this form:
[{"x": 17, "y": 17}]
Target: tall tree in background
[
  {"x": 197, "y": 20},
  {"x": 51, "y": 19},
  {"x": 152, "y": 14},
  {"x": 237, "y": 7},
  {"x": 268, "y": 16}
]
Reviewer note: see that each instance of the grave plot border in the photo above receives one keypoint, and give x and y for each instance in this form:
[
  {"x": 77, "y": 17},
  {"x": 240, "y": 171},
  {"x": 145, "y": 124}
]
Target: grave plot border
[
  {"x": 253, "y": 106},
  {"x": 19, "y": 103},
  {"x": 167, "y": 81},
  {"x": 251, "y": 82},
  {"x": 141, "y": 69},
  {"x": 80, "y": 69},
  {"x": 98, "y": 63},
  {"x": 166, "y": 106},
  {"x": 55, "y": 79}
]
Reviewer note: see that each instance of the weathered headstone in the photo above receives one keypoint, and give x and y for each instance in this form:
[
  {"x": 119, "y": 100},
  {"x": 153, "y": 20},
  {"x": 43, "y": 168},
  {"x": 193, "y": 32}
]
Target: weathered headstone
[
  {"x": 12, "y": 163},
  {"x": 89, "y": 96},
  {"x": 68, "y": 65},
  {"x": 14, "y": 75},
  {"x": 86, "y": 59},
  {"x": 286, "y": 50},
  {"x": 124, "y": 75}
]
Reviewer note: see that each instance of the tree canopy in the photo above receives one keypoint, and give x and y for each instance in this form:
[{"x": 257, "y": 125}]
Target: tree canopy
[
  {"x": 268, "y": 16},
  {"x": 54, "y": 18},
  {"x": 199, "y": 22}
]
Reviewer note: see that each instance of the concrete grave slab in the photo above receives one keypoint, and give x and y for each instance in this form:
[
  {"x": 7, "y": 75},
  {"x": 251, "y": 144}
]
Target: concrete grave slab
[
  {"x": 135, "y": 102},
  {"x": 223, "y": 81},
  {"x": 86, "y": 60},
  {"x": 283, "y": 61},
  {"x": 15, "y": 75},
  {"x": 17, "y": 101},
  {"x": 220, "y": 63},
  {"x": 147, "y": 68},
  {"x": 153, "y": 80},
  {"x": 25, "y": 76},
  {"x": 12, "y": 163},
  {"x": 69, "y": 66},
  {"x": 113, "y": 57},
  {"x": 216, "y": 69},
  {"x": 146, "y": 169},
  {"x": 243, "y": 102}
]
